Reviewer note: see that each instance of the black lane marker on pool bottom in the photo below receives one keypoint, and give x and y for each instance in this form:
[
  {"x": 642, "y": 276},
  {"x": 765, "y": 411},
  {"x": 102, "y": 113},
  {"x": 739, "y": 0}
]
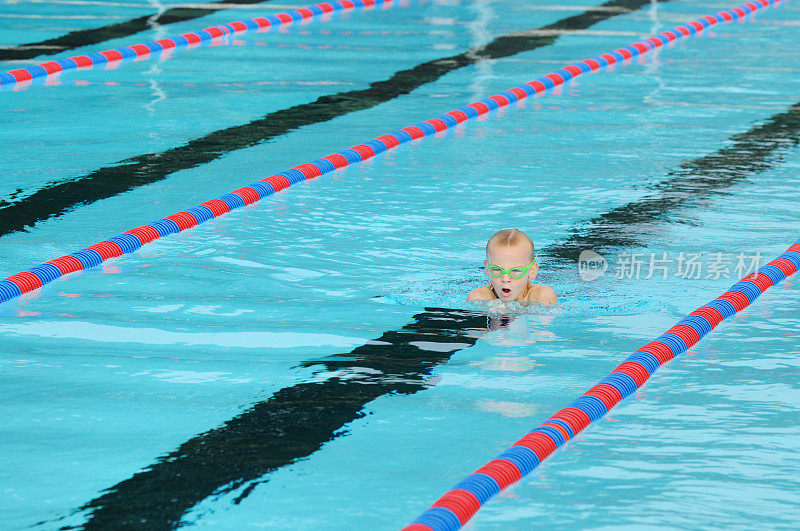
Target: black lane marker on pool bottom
[
  {"x": 88, "y": 37},
  {"x": 292, "y": 424},
  {"x": 693, "y": 184},
  {"x": 148, "y": 168}
]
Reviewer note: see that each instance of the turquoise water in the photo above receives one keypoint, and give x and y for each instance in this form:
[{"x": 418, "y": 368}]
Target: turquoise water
[{"x": 106, "y": 372}]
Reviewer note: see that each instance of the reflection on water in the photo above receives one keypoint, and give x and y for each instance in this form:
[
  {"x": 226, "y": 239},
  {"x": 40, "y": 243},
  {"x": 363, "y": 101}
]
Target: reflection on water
[
  {"x": 508, "y": 409},
  {"x": 509, "y": 330}
]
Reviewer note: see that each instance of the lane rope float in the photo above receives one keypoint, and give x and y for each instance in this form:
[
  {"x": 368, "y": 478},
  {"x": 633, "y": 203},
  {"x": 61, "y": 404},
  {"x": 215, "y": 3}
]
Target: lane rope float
[
  {"x": 139, "y": 52},
  {"x": 129, "y": 241},
  {"x": 459, "y": 504}
]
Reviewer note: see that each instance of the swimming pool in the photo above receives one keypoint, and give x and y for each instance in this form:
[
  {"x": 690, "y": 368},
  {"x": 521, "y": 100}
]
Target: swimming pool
[{"x": 322, "y": 310}]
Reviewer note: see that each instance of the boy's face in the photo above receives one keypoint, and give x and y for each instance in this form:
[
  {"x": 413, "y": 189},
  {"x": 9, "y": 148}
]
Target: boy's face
[{"x": 518, "y": 256}]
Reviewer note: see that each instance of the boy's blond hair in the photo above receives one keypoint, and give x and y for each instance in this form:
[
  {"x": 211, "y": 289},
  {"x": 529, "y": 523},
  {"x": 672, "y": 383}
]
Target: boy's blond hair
[{"x": 509, "y": 238}]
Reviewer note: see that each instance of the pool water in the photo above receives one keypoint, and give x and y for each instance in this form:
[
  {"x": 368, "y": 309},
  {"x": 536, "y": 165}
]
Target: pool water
[{"x": 309, "y": 361}]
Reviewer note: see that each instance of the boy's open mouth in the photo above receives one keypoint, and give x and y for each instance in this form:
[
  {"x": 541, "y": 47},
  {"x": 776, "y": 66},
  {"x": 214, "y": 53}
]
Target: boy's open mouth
[{"x": 505, "y": 291}]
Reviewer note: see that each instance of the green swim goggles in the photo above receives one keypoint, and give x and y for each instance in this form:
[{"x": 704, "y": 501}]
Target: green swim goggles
[{"x": 514, "y": 272}]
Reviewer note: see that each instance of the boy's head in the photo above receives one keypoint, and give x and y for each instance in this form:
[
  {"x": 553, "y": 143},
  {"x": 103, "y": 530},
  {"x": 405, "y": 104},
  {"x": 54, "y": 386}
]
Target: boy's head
[{"x": 509, "y": 263}]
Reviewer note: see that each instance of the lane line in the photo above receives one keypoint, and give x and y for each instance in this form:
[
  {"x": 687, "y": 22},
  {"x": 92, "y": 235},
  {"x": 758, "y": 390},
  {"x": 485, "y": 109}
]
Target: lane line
[{"x": 204, "y": 37}]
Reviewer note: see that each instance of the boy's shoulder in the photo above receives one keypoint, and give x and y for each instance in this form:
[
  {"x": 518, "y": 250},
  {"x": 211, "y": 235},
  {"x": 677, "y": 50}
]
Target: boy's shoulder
[
  {"x": 541, "y": 294},
  {"x": 481, "y": 293}
]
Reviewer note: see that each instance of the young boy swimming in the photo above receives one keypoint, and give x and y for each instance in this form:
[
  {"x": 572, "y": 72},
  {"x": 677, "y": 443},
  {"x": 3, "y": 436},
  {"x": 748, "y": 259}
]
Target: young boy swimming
[{"x": 510, "y": 268}]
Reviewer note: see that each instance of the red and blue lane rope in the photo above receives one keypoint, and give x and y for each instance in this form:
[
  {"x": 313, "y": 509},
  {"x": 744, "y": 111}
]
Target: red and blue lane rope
[
  {"x": 130, "y": 241},
  {"x": 458, "y": 505},
  {"x": 140, "y": 52}
]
